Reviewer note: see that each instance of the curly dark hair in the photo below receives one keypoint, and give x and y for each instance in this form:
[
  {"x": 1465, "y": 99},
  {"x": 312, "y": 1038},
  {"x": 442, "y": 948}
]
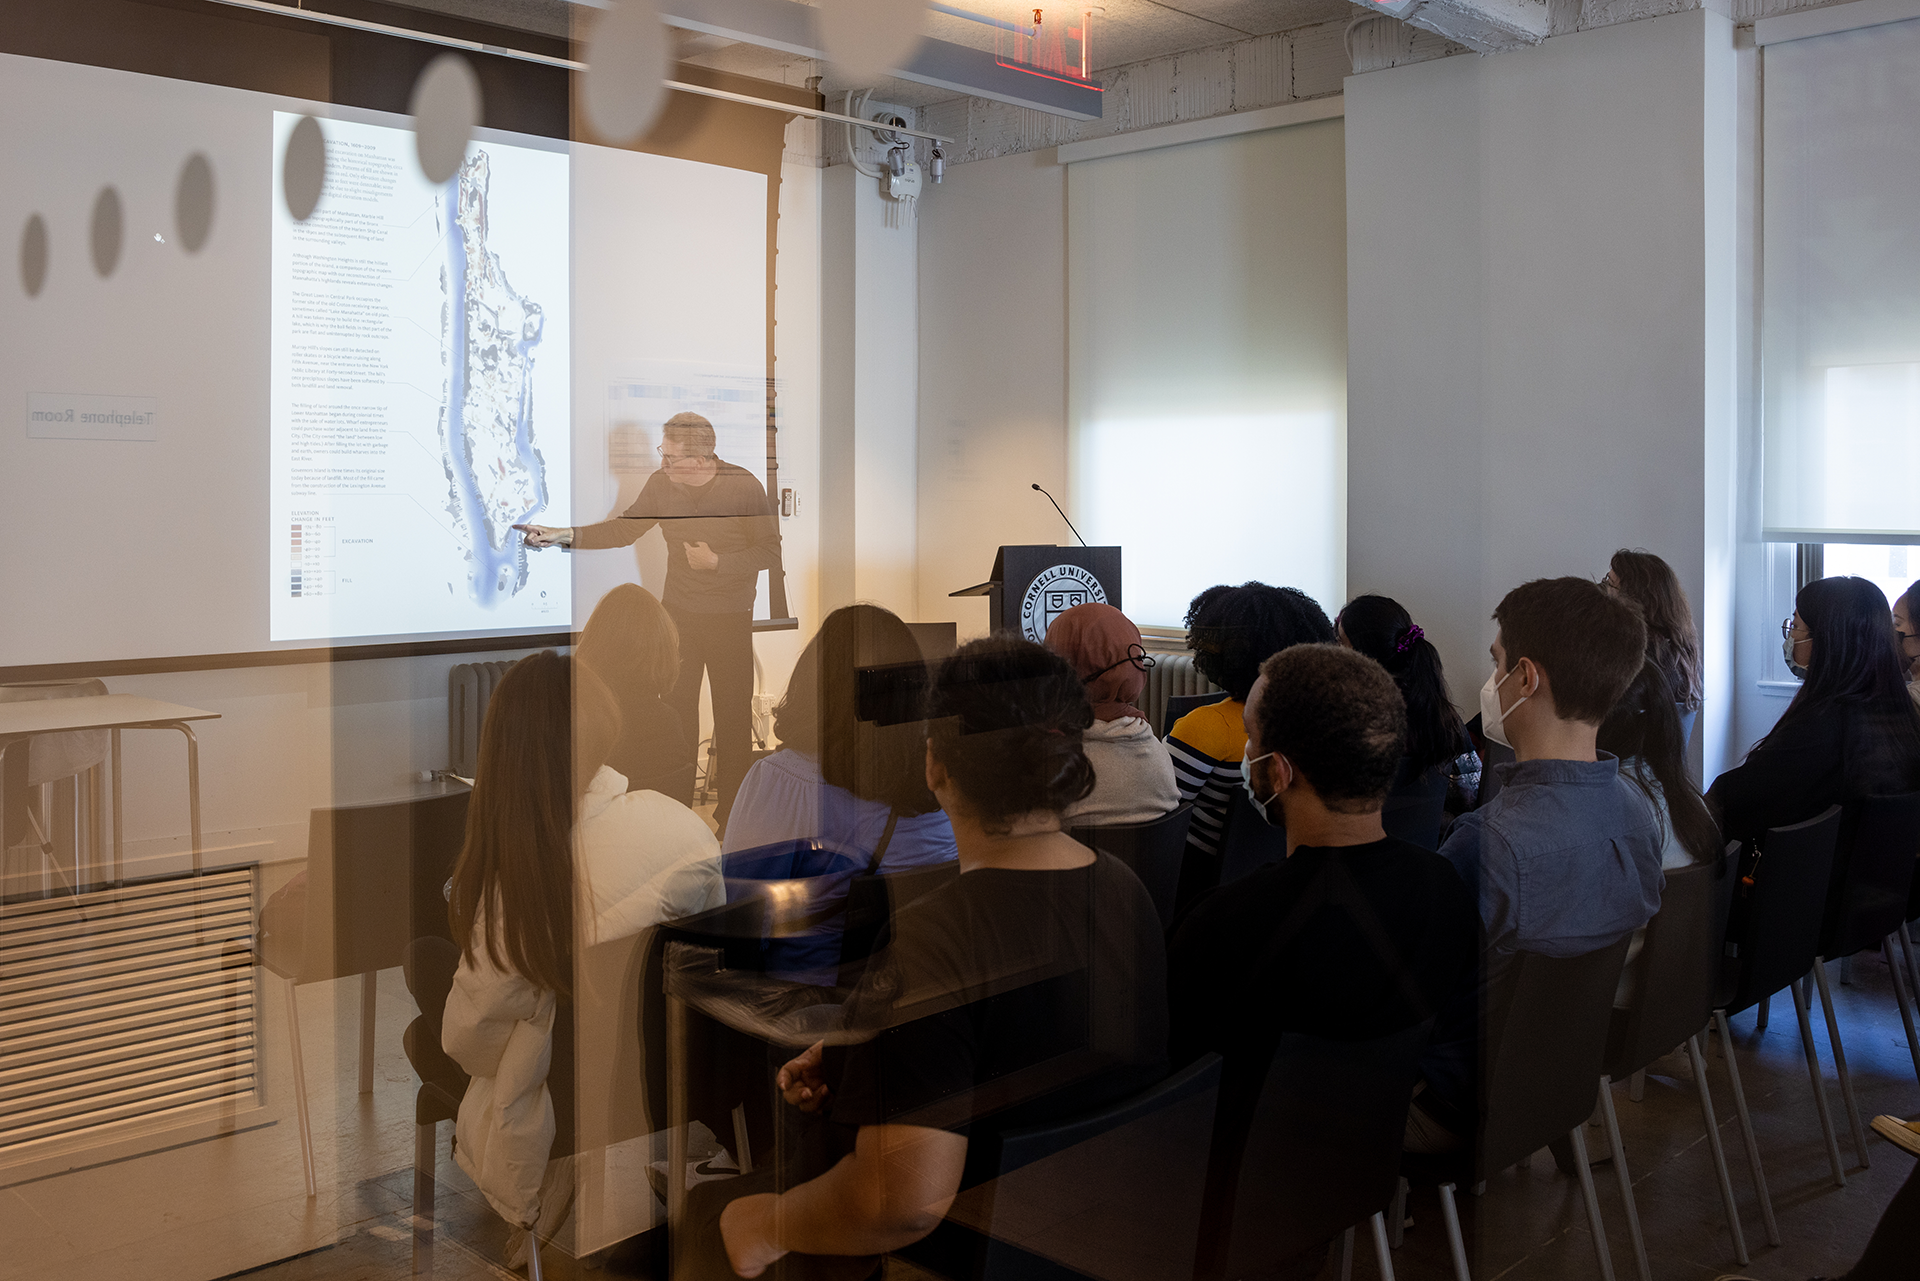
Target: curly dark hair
[
  {"x": 1338, "y": 716},
  {"x": 1005, "y": 717},
  {"x": 1232, "y": 630}
]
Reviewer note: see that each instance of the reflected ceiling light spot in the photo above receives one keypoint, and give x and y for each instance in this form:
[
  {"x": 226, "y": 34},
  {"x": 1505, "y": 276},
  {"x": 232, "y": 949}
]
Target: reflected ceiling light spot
[
  {"x": 303, "y": 170},
  {"x": 33, "y": 256},
  {"x": 193, "y": 202},
  {"x": 866, "y": 40},
  {"x": 446, "y": 110},
  {"x": 626, "y": 65},
  {"x": 107, "y": 233}
]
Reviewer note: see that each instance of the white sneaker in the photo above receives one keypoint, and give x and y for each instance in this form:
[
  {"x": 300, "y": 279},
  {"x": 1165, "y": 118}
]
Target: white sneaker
[{"x": 720, "y": 1165}]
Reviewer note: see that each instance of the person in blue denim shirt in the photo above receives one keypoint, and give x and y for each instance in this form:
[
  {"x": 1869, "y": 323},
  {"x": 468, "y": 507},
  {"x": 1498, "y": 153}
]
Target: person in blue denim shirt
[{"x": 1566, "y": 858}]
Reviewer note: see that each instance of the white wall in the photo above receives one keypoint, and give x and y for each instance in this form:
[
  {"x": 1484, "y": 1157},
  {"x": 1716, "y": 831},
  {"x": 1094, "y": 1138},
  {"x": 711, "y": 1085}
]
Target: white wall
[
  {"x": 869, "y": 359},
  {"x": 1578, "y": 182},
  {"x": 993, "y": 377}
]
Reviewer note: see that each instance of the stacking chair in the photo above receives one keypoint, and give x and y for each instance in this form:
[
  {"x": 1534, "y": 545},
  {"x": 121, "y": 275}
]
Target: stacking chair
[
  {"x": 1414, "y": 810},
  {"x": 1306, "y": 1144},
  {"x": 1543, "y": 1042},
  {"x": 1677, "y": 973},
  {"x": 1152, "y": 849},
  {"x": 373, "y": 883},
  {"x": 1179, "y": 705},
  {"x": 1126, "y": 1177},
  {"x": 1770, "y": 945},
  {"x": 1866, "y": 905},
  {"x": 1249, "y": 843}
]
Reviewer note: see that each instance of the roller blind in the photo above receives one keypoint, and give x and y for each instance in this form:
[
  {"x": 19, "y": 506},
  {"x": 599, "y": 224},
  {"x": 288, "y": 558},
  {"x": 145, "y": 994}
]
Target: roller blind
[
  {"x": 1207, "y": 356},
  {"x": 1841, "y": 317}
]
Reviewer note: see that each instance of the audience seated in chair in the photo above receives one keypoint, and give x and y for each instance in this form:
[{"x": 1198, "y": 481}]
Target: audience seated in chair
[
  {"x": 1231, "y": 631},
  {"x": 1906, "y": 634},
  {"x": 1643, "y": 731},
  {"x": 631, "y": 644},
  {"x": 848, "y": 775},
  {"x": 1565, "y": 860},
  {"x": 1356, "y": 935},
  {"x": 1850, "y": 731},
  {"x": 1132, "y": 774},
  {"x": 1672, "y": 643},
  {"x": 1030, "y": 988},
  {"x": 548, "y": 828},
  {"x": 1381, "y": 628}
]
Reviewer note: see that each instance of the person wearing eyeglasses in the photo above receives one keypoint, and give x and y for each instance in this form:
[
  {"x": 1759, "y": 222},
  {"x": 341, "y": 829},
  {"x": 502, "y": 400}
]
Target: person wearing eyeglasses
[
  {"x": 1849, "y": 732},
  {"x": 1132, "y": 774},
  {"x": 721, "y": 533}
]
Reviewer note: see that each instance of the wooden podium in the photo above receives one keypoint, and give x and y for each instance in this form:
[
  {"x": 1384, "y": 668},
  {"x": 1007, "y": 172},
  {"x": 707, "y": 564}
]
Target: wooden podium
[{"x": 1033, "y": 584}]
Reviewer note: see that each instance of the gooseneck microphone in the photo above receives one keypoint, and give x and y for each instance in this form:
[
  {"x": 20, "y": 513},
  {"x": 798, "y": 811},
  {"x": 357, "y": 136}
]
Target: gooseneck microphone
[{"x": 1063, "y": 515}]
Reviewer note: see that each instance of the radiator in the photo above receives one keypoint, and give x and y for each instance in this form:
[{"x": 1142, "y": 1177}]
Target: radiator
[
  {"x": 469, "y": 690},
  {"x": 126, "y": 1012},
  {"x": 1170, "y": 674}
]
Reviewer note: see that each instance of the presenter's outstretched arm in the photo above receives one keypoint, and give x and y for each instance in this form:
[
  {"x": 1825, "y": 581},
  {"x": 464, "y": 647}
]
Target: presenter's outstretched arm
[{"x": 537, "y": 536}]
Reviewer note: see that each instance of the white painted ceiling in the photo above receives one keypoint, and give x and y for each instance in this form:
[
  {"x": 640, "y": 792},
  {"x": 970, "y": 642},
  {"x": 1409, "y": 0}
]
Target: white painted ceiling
[{"x": 1124, "y": 31}]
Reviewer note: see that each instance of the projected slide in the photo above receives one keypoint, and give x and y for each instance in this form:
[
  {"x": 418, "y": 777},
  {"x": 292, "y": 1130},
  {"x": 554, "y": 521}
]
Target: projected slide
[{"x": 419, "y": 391}]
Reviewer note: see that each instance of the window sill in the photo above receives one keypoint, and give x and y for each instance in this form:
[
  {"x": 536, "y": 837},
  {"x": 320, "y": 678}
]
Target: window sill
[{"x": 1779, "y": 689}]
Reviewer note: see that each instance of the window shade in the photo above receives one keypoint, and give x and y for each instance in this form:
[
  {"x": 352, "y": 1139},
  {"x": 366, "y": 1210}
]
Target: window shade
[
  {"x": 1841, "y": 317},
  {"x": 1207, "y": 353}
]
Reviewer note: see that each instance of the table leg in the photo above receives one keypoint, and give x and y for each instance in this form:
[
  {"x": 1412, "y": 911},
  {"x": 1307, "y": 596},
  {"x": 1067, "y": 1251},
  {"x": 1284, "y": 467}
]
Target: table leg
[
  {"x": 677, "y": 1123},
  {"x": 193, "y": 786},
  {"x": 117, "y": 873}
]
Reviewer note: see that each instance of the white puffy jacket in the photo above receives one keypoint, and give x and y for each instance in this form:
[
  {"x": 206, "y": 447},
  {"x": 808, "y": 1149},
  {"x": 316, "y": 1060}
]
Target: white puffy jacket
[{"x": 639, "y": 858}]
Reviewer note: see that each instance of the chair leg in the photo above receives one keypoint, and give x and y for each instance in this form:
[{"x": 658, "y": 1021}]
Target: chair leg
[
  {"x": 300, "y": 1086},
  {"x": 1600, "y": 1249},
  {"x": 1625, "y": 1179},
  {"x": 1637, "y": 1086},
  {"x": 1456, "y": 1242},
  {"x": 1840, "y": 1062},
  {"x": 1382, "y": 1254},
  {"x": 1905, "y": 935},
  {"x": 425, "y": 1151},
  {"x": 533, "y": 1251},
  {"x": 1819, "y": 1085},
  {"x": 369, "y": 988},
  {"x": 1903, "y": 995},
  {"x": 1344, "y": 1249},
  {"x": 1719, "y": 1154},
  {"x": 1397, "y": 1216},
  {"x": 1760, "y": 1019},
  {"x": 1746, "y": 1131}
]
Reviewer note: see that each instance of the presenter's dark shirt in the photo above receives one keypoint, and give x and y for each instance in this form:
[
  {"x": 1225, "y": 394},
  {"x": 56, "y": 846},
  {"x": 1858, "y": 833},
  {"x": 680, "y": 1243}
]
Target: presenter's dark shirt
[
  {"x": 1345, "y": 942},
  {"x": 729, "y": 513},
  {"x": 1010, "y": 998}
]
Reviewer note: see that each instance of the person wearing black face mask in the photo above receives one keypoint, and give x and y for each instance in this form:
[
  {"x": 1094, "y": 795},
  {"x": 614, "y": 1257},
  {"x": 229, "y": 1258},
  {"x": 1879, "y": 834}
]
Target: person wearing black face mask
[{"x": 1356, "y": 934}]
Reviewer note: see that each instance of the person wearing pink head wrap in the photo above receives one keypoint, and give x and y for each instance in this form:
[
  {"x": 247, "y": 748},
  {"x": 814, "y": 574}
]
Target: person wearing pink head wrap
[{"x": 1133, "y": 775}]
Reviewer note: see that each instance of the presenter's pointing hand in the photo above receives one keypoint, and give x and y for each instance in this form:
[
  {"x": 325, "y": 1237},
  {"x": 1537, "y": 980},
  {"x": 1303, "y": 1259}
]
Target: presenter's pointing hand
[
  {"x": 537, "y": 536},
  {"x": 701, "y": 556}
]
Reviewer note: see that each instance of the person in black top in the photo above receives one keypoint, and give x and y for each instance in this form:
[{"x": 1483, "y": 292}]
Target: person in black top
[
  {"x": 721, "y": 533},
  {"x": 1355, "y": 935},
  {"x": 632, "y": 645},
  {"x": 1029, "y": 989},
  {"x": 1851, "y": 730}
]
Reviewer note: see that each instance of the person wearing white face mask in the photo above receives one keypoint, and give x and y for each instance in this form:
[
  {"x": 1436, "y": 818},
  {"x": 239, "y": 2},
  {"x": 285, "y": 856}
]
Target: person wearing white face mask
[
  {"x": 1565, "y": 859},
  {"x": 1379, "y": 934}
]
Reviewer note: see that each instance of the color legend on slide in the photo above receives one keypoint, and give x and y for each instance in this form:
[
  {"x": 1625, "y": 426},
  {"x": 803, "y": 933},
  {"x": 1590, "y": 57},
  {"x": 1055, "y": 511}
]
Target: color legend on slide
[{"x": 310, "y": 558}]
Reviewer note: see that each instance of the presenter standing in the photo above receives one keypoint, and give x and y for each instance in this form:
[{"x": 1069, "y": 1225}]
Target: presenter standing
[{"x": 721, "y": 532}]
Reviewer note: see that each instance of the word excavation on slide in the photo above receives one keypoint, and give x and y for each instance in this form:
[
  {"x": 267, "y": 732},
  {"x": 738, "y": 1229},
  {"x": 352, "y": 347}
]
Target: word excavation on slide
[{"x": 419, "y": 390}]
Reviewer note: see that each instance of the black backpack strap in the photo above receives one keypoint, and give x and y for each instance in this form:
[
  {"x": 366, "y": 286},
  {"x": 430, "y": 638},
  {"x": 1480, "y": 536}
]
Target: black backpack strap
[{"x": 886, "y": 838}]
